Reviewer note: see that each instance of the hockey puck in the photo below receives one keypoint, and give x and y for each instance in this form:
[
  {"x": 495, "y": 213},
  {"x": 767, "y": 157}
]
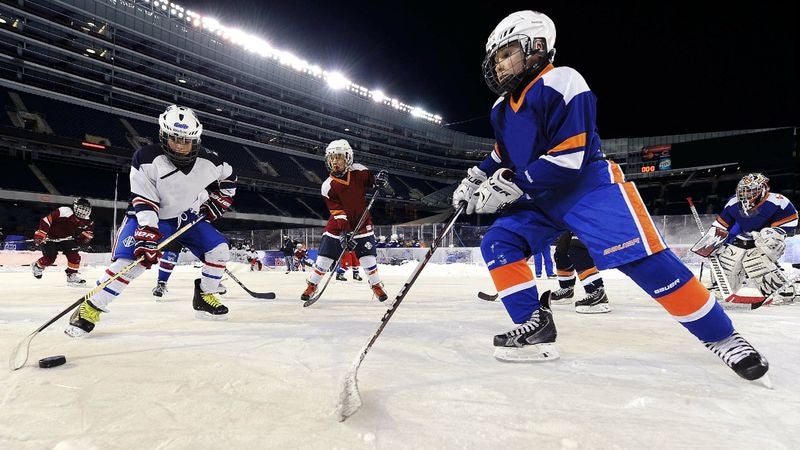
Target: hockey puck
[{"x": 52, "y": 361}]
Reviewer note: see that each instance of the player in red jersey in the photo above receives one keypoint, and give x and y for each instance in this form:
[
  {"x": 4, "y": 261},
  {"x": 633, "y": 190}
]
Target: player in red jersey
[
  {"x": 63, "y": 230},
  {"x": 344, "y": 192}
]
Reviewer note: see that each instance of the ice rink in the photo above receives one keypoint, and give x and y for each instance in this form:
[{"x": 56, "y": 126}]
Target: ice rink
[{"x": 152, "y": 376}]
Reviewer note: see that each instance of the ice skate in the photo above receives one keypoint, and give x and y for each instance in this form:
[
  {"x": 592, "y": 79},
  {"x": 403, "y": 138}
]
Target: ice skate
[
  {"x": 160, "y": 290},
  {"x": 562, "y": 296},
  {"x": 37, "y": 271},
  {"x": 310, "y": 289},
  {"x": 594, "y": 303},
  {"x": 357, "y": 277},
  {"x": 207, "y": 305},
  {"x": 340, "y": 276},
  {"x": 532, "y": 341},
  {"x": 83, "y": 320},
  {"x": 740, "y": 356},
  {"x": 74, "y": 280},
  {"x": 377, "y": 289}
]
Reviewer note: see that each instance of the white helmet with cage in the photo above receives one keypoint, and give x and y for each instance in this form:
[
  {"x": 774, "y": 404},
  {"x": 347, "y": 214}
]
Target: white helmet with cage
[
  {"x": 751, "y": 191},
  {"x": 180, "y": 124},
  {"x": 299, "y": 246},
  {"x": 82, "y": 208},
  {"x": 530, "y": 33},
  {"x": 339, "y": 157}
]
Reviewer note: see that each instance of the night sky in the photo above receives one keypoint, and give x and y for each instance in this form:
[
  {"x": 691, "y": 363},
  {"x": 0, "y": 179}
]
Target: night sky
[{"x": 655, "y": 68}]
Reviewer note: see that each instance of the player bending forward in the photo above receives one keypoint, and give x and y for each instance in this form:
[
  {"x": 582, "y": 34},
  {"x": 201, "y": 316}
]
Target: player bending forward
[
  {"x": 63, "y": 230},
  {"x": 763, "y": 219},
  {"x": 169, "y": 182},
  {"x": 344, "y": 192}
]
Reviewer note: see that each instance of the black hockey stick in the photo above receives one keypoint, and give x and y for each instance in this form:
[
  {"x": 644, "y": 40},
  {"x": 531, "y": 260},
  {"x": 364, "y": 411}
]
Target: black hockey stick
[
  {"x": 18, "y": 359},
  {"x": 361, "y": 221},
  {"x": 488, "y": 297},
  {"x": 349, "y": 398},
  {"x": 261, "y": 295}
]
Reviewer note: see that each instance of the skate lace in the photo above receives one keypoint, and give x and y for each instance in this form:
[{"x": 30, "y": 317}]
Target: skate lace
[
  {"x": 531, "y": 324},
  {"x": 562, "y": 291},
  {"x": 732, "y": 349},
  {"x": 211, "y": 300}
]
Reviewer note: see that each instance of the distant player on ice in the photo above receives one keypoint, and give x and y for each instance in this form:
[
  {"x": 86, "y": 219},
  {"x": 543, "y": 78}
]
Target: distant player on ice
[
  {"x": 344, "y": 192},
  {"x": 170, "y": 181},
  {"x": 64, "y": 230},
  {"x": 546, "y": 175},
  {"x": 573, "y": 257},
  {"x": 763, "y": 219}
]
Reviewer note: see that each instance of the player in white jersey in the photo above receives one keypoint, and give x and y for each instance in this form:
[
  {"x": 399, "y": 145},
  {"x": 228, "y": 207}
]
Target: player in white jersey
[
  {"x": 171, "y": 182},
  {"x": 755, "y": 223}
]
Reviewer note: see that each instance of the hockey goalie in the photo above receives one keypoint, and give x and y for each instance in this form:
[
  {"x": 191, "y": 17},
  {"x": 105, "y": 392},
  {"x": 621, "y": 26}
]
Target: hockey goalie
[{"x": 748, "y": 239}]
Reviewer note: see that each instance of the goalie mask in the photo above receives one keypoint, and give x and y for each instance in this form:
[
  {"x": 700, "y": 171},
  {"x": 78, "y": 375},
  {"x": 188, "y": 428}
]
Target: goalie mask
[
  {"x": 339, "y": 157},
  {"x": 82, "y": 208},
  {"x": 751, "y": 192},
  {"x": 179, "y": 133},
  {"x": 518, "y": 49}
]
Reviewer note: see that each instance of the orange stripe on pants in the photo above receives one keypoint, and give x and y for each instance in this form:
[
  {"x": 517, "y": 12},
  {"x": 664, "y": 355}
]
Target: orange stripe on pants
[
  {"x": 688, "y": 299},
  {"x": 510, "y": 275},
  {"x": 653, "y": 240}
]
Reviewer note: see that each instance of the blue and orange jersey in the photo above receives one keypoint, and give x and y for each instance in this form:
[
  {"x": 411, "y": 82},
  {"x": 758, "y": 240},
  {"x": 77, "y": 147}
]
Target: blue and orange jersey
[
  {"x": 774, "y": 211},
  {"x": 548, "y": 134}
]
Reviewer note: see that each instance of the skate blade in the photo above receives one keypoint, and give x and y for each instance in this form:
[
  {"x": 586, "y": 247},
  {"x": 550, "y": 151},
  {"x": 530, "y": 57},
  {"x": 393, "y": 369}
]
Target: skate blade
[
  {"x": 162, "y": 299},
  {"x": 764, "y": 381},
  {"x": 76, "y": 285},
  {"x": 208, "y": 316},
  {"x": 596, "y": 309},
  {"x": 528, "y": 353},
  {"x": 74, "y": 332}
]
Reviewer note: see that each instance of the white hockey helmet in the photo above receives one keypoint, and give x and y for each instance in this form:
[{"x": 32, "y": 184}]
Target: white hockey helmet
[
  {"x": 180, "y": 124},
  {"x": 299, "y": 246},
  {"x": 536, "y": 35},
  {"x": 751, "y": 191},
  {"x": 82, "y": 208},
  {"x": 394, "y": 237},
  {"x": 339, "y": 150},
  {"x": 382, "y": 238}
]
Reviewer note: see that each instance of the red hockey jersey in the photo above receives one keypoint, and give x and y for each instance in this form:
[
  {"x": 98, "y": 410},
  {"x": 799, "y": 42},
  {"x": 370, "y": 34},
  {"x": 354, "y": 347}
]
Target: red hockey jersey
[
  {"x": 62, "y": 223},
  {"x": 345, "y": 198}
]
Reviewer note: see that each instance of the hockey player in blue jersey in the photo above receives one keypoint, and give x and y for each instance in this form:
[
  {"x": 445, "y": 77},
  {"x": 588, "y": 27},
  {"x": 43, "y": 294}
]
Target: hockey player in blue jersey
[
  {"x": 170, "y": 183},
  {"x": 749, "y": 238},
  {"x": 546, "y": 175}
]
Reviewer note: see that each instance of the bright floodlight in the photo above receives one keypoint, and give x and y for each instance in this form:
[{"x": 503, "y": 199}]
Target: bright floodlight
[
  {"x": 337, "y": 81},
  {"x": 378, "y": 96}
]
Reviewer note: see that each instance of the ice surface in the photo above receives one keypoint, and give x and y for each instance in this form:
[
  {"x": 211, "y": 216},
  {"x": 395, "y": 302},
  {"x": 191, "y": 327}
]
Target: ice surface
[{"x": 151, "y": 375}]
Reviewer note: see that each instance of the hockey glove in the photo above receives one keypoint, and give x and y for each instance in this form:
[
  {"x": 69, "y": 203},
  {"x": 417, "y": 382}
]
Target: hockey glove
[
  {"x": 147, "y": 245},
  {"x": 216, "y": 205},
  {"x": 382, "y": 180},
  {"x": 348, "y": 243},
  {"x": 496, "y": 192},
  {"x": 771, "y": 241},
  {"x": 85, "y": 237},
  {"x": 711, "y": 242},
  {"x": 464, "y": 191},
  {"x": 39, "y": 236}
]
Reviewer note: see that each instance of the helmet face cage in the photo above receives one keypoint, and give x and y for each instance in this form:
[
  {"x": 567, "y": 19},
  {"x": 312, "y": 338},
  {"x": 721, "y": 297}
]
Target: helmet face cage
[
  {"x": 751, "y": 192},
  {"x": 82, "y": 208},
  {"x": 180, "y": 125},
  {"x": 339, "y": 151}
]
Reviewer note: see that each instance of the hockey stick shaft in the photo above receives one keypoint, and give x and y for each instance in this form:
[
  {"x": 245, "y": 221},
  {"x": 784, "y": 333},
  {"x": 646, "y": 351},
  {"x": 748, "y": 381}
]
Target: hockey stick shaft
[
  {"x": 360, "y": 223},
  {"x": 264, "y": 295},
  {"x": 717, "y": 274},
  {"x": 350, "y": 401},
  {"x": 12, "y": 361}
]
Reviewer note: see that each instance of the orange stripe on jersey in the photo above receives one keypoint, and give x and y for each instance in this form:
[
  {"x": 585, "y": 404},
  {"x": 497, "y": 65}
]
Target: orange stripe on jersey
[
  {"x": 617, "y": 176},
  {"x": 651, "y": 236},
  {"x": 725, "y": 224},
  {"x": 73, "y": 265},
  {"x": 783, "y": 221},
  {"x": 335, "y": 212},
  {"x": 688, "y": 299},
  {"x": 344, "y": 182},
  {"x": 579, "y": 140},
  {"x": 564, "y": 273},
  {"x": 516, "y": 104},
  {"x": 511, "y": 275},
  {"x": 587, "y": 273}
]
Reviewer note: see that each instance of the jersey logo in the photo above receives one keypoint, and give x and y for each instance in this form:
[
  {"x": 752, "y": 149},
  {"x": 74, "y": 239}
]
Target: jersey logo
[
  {"x": 368, "y": 245},
  {"x": 182, "y": 126},
  {"x": 129, "y": 241}
]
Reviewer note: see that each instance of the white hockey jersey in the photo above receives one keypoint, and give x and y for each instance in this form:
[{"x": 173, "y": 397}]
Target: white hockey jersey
[{"x": 159, "y": 190}]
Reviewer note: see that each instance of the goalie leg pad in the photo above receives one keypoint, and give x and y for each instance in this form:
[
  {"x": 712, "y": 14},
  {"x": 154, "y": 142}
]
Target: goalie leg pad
[
  {"x": 730, "y": 260},
  {"x": 763, "y": 271}
]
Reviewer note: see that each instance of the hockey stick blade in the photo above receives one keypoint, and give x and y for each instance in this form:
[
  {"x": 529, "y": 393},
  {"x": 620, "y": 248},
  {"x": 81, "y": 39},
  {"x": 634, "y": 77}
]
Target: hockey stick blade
[
  {"x": 349, "y": 398},
  {"x": 488, "y": 297},
  {"x": 261, "y": 295}
]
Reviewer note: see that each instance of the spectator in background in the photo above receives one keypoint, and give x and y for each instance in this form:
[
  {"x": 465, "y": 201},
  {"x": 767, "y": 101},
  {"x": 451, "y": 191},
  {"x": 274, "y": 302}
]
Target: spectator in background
[{"x": 288, "y": 249}]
